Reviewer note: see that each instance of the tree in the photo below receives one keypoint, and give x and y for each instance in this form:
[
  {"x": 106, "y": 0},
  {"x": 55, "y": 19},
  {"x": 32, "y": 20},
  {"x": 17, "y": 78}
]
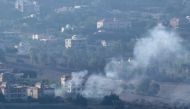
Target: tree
[
  {"x": 143, "y": 86},
  {"x": 147, "y": 87},
  {"x": 80, "y": 100},
  {"x": 30, "y": 99},
  {"x": 2, "y": 97},
  {"x": 46, "y": 99},
  {"x": 154, "y": 89},
  {"x": 113, "y": 100}
]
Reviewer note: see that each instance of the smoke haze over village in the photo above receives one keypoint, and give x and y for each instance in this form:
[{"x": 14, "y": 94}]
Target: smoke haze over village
[
  {"x": 159, "y": 47},
  {"x": 89, "y": 54}
]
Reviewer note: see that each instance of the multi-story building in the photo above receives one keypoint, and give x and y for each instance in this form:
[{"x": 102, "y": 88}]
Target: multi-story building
[
  {"x": 27, "y": 7},
  {"x": 16, "y": 93},
  {"x": 76, "y": 43},
  {"x": 84, "y": 44}
]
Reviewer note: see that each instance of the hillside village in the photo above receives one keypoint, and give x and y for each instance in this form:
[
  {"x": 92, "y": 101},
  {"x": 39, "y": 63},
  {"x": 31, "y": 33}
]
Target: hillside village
[{"x": 43, "y": 44}]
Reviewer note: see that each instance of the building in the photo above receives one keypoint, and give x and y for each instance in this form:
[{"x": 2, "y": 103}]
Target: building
[
  {"x": 19, "y": 5},
  {"x": 65, "y": 83},
  {"x": 16, "y": 78},
  {"x": 104, "y": 43},
  {"x": 47, "y": 92},
  {"x": 7, "y": 77},
  {"x": 16, "y": 93},
  {"x": 41, "y": 90},
  {"x": 38, "y": 85},
  {"x": 2, "y": 87},
  {"x": 41, "y": 37},
  {"x": 113, "y": 24},
  {"x": 69, "y": 86},
  {"x": 174, "y": 22},
  {"x": 27, "y": 7},
  {"x": 76, "y": 43},
  {"x": 64, "y": 79},
  {"x": 19, "y": 92},
  {"x": 33, "y": 92},
  {"x": 100, "y": 24},
  {"x": 97, "y": 43}
]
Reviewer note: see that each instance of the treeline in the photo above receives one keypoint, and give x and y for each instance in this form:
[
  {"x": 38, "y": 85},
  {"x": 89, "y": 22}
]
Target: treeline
[{"x": 111, "y": 101}]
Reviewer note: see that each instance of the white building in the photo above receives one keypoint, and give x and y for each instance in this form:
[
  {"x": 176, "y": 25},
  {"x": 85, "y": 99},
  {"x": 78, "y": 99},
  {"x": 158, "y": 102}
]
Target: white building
[
  {"x": 75, "y": 42},
  {"x": 100, "y": 24},
  {"x": 104, "y": 43},
  {"x": 19, "y": 5},
  {"x": 33, "y": 92},
  {"x": 38, "y": 85},
  {"x": 64, "y": 79},
  {"x": 41, "y": 37},
  {"x": 2, "y": 87},
  {"x": 70, "y": 86},
  {"x": 28, "y": 7},
  {"x": 66, "y": 84}
]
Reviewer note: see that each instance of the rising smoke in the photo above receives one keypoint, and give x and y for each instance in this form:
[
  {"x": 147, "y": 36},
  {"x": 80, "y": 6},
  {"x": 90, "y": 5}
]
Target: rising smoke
[
  {"x": 99, "y": 86},
  {"x": 160, "y": 49},
  {"x": 160, "y": 45}
]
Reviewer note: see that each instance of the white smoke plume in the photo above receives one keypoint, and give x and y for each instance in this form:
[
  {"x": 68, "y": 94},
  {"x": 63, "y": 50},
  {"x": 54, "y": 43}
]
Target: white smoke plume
[
  {"x": 160, "y": 46},
  {"x": 98, "y": 86},
  {"x": 78, "y": 78},
  {"x": 76, "y": 82}
]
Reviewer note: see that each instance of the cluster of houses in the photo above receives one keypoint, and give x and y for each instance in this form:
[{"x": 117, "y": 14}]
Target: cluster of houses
[
  {"x": 79, "y": 43},
  {"x": 29, "y": 8},
  {"x": 14, "y": 87},
  {"x": 13, "y": 90}
]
